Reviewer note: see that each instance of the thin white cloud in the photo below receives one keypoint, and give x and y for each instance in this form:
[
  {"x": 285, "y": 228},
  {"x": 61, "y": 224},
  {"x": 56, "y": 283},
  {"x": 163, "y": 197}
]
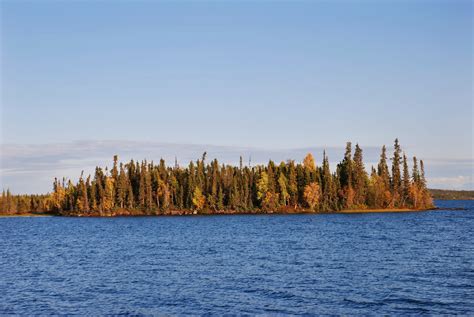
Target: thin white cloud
[{"x": 456, "y": 182}]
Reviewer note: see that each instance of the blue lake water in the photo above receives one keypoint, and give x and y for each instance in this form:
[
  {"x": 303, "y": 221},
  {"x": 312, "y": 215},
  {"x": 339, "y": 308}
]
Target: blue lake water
[{"x": 391, "y": 263}]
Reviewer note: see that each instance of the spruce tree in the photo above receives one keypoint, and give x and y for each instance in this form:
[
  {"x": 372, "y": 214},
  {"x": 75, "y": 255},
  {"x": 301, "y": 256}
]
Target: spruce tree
[
  {"x": 142, "y": 188},
  {"x": 382, "y": 168},
  {"x": 416, "y": 172},
  {"x": 359, "y": 177},
  {"x": 396, "y": 177},
  {"x": 122, "y": 188},
  {"x": 282, "y": 189},
  {"x": 292, "y": 184},
  {"x": 422, "y": 175},
  {"x": 405, "y": 182},
  {"x": 346, "y": 167},
  {"x": 148, "y": 190},
  {"x": 327, "y": 186}
]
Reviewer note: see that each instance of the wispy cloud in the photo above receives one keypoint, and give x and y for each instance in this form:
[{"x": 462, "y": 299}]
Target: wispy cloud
[
  {"x": 31, "y": 168},
  {"x": 456, "y": 182}
]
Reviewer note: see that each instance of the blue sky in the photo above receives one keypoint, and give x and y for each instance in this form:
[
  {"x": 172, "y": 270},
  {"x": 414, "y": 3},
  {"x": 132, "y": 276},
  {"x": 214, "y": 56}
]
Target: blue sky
[{"x": 242, "y": 74}]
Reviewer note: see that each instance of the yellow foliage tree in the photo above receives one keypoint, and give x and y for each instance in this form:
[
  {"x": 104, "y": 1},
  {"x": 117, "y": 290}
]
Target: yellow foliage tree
[
  {"x": 309, "y": 162},
  {"x": 262, "y": 186},
  {"x": 108, "y": 201},
  {"x": 415, "y": 195},
  {"x": 57, "y": 197},
  {"x": 350, "y": 194},
  {"x": 379, "y": 196},
  {"x": 312, "y": 193},
  {"x": 163, "y": 195},
  {"x": 198, "y": 198},
  {"x": 427, "y": 199},
  {"x": 282, "y": 183}
]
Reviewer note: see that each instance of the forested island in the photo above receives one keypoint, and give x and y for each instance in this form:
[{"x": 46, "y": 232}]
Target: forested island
[{"x": 146, "y": 188}]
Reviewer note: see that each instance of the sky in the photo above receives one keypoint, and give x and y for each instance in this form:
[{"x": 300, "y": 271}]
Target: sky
[{"x": 83, "y": 80}]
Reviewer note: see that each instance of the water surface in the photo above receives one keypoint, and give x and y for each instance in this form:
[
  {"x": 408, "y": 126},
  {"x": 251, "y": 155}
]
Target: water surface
[{"x": 384, "y": 263}]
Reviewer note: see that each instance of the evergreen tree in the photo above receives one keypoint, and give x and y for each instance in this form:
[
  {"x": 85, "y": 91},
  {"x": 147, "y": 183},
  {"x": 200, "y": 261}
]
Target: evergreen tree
[
  {"x": 9, "y": 202},
  {"x": 359, "y": 178},
  {"x": 100, "y": 192},
  {"x": 262, "y": 186},
  {"x": 292, "y": 184},
  {"x": 396, "y": 177},
  {"x": 122, "y": 188},
  {"x": 346, "y": 167},
  {"x": 282, "y": 186},
  {"x": 329, "y": 201},
  {"x": 142, "y": 188},
  {"x": 405, "y": 182},
  {"x": 382, "y": 168},
  {"x": 345, "y": 173},
  {"x": 422, "y": 175},
  {"x": 416, "y": 173},
  {"x": 108, "y": 200},
  {"x": 92, "y": 194},
  {"x": 148, "y": 189},
  {"x": 114, "y": 171},
  {"x": 82, "y": 202},
  {"x": 130, "y": 199}
]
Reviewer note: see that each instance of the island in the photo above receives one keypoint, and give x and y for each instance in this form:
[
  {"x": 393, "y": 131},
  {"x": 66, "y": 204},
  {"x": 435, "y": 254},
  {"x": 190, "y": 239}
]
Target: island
[{"x": 145, "y": 188}]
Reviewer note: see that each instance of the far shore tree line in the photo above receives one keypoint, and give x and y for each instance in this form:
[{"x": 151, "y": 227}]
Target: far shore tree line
[{"x": 145, "y": 188}]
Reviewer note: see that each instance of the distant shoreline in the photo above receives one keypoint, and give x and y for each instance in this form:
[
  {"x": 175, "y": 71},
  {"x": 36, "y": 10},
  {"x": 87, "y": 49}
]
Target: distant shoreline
[
  {"x": 446, "y": 194},
  {"x": 454, "y": 199}
]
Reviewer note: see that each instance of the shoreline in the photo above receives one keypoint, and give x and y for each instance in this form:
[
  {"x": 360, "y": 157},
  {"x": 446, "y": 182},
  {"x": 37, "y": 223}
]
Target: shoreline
[
  {"x": 28, "y": 215},
  {"x": 174, "y": 213},
  {"x": 394, "y": 210}
]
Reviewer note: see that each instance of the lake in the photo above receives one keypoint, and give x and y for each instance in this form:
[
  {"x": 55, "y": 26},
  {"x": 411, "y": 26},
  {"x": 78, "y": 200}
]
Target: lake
[{"x": 358, "y": 264}]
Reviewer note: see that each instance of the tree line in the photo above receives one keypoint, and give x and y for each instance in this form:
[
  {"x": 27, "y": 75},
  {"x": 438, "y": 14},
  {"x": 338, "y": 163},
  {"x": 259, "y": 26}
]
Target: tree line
[{"x": 146, "y": 188}]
